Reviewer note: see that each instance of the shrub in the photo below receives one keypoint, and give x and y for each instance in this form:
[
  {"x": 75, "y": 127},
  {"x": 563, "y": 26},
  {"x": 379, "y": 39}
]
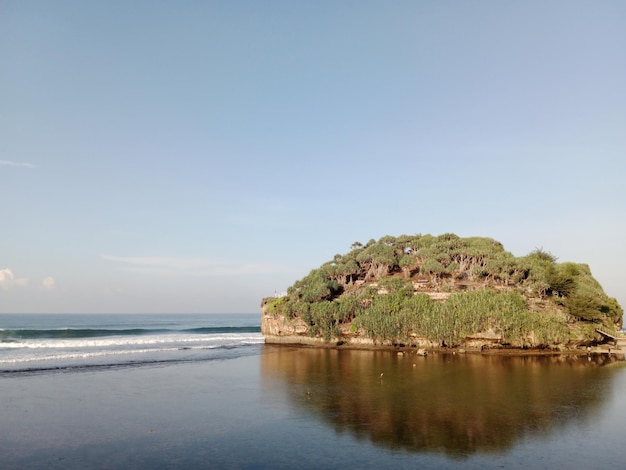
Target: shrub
[{"x": 585, "y": 307}]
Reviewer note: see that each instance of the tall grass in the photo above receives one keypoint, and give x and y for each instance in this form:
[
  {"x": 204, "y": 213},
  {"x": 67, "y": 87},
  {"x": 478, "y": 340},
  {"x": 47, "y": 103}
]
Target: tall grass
[{"x": 461, "y": 316}]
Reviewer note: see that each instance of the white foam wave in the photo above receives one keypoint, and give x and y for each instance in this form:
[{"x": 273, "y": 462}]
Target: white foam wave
[
  {"x": 72, "y": 350},
  {"x": 79, "y": 355},
  {"x": 97, "y": 354},
  {"x": 132, "y": 341}
]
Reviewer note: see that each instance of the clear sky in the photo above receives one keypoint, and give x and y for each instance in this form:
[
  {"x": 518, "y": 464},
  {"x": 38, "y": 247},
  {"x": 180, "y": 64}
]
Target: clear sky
[{"x": 196, "y": 156}]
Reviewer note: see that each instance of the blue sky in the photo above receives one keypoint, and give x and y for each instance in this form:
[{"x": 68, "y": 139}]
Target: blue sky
[{"x": 197, "y": 156}]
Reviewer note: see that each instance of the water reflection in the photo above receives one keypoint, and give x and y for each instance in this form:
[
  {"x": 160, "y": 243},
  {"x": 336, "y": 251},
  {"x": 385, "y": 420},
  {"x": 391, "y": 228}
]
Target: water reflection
[{"x": 455, "y": 404}]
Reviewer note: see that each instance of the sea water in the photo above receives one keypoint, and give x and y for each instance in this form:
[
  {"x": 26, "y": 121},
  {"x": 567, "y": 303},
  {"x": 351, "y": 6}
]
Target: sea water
[
  {"x": 35, "y": 343},
  {"x": 229, "y": 401}
]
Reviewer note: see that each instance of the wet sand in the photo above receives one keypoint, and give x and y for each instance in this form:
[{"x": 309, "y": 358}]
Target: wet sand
[{"x": 310, "y": 408}]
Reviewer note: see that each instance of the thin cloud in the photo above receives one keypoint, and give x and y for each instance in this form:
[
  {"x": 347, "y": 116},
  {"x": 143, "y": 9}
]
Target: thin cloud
[
  {"x": 17, "y": 164},
  {"x": 161, "y": 262},
  {"x": 49, "y": 283},
  {"x": 190, "y": 266},
  {"x": 8, "y": 279}
]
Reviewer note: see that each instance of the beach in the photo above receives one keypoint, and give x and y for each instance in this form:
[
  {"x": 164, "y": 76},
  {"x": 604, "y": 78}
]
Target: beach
[{"x": 143, "y": 417}]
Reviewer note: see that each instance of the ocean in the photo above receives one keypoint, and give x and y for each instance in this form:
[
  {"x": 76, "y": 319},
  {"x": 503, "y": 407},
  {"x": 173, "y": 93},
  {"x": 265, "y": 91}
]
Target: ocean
[
  {"x": 203, "y": 391},
  {"x": 48, "y": 342}
]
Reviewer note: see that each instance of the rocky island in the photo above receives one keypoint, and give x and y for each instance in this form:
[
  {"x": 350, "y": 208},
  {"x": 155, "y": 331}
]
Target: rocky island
[{"x": 425, "y": 291}]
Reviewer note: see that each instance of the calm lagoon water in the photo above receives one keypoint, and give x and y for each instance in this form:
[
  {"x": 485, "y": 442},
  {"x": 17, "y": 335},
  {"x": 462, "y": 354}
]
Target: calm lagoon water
[{"x": 258, "y": 406}]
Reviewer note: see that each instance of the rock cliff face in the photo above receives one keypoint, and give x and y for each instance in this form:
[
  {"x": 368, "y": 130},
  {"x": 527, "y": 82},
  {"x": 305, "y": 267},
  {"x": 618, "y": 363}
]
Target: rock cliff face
[{"x": 278, "y": 329}]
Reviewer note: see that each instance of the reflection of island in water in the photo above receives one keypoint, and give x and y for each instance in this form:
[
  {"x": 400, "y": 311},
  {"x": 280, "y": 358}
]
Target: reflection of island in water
[{"x": 457, "y": 404}]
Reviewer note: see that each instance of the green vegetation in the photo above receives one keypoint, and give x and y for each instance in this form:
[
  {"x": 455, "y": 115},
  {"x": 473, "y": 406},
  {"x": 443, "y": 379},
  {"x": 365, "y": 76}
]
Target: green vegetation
[
  {"x": 462, "y": 315},
  {"x": 446, "y": 288}
]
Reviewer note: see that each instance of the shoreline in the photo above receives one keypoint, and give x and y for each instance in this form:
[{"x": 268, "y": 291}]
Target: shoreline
[
  {"x": 318, "y": 343},
  {"x": 278, "y": 330}
]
